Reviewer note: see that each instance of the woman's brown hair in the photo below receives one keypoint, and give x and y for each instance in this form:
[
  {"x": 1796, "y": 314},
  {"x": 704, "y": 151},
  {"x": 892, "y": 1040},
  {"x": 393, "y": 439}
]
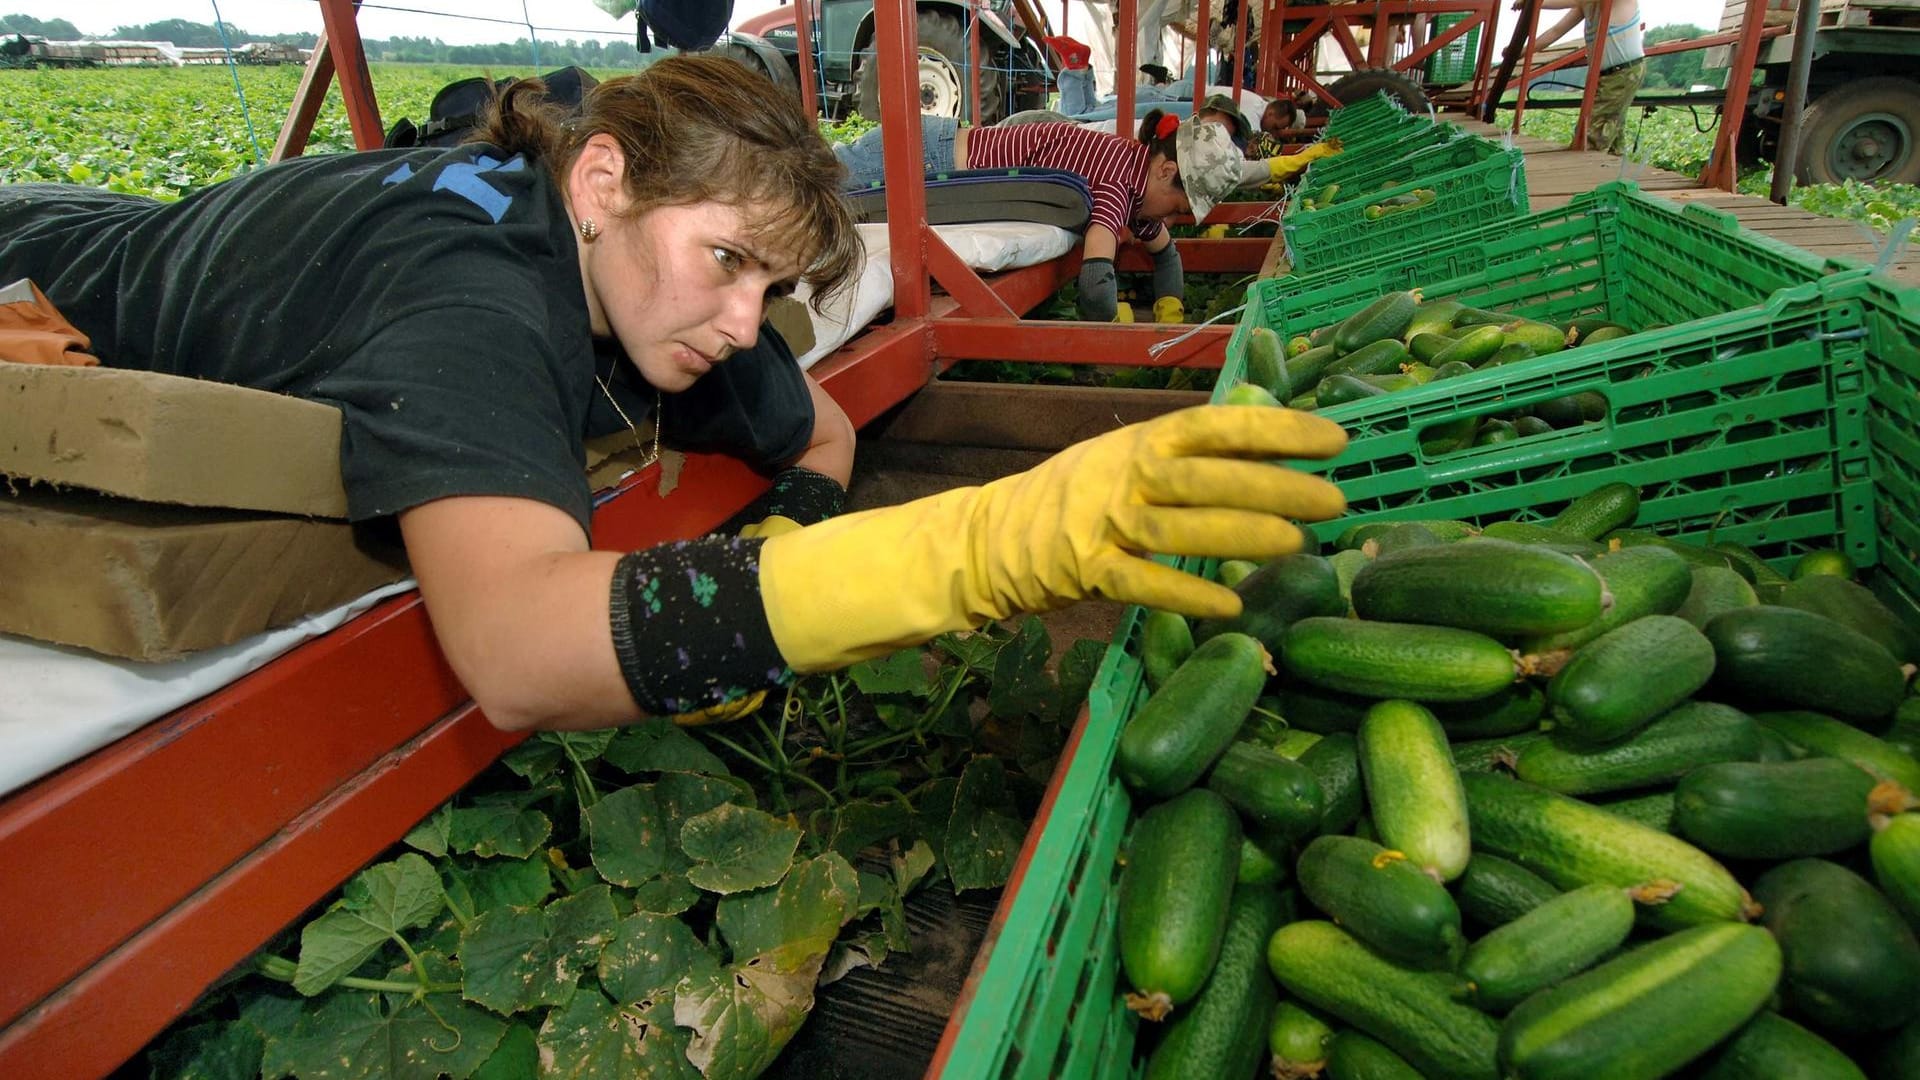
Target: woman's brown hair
[{"x": 701, "y": 128}]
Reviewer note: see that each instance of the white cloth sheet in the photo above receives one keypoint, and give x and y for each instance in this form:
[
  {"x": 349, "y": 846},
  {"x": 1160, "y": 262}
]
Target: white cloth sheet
[{"x": 59, "y": 704}]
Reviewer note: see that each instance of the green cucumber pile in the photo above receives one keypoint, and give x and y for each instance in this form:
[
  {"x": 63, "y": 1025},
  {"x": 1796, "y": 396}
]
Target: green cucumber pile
[
  {"x": 1398, "y": 341},
  {"x": 1549, "y": 800}
]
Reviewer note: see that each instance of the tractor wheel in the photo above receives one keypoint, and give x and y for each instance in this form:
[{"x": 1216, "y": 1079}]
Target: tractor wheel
[
  {"x": 1867, "y": 129},
  {"x": 1367, "y": 82},
  {"x": 781, "y": 76},
  {"x": 942, "y": 74}
]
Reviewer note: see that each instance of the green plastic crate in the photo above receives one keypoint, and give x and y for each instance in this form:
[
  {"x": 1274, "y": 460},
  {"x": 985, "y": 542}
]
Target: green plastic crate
[
  {"x": 1410, "y": 163},
  {"x": 1491, "y": 190},
  {"x": 1457, "y": 60},
  {"x": 1380, "y": 110},
  {"x": 1792, "y": 424},
  {"x": 1614, "y": 251}
]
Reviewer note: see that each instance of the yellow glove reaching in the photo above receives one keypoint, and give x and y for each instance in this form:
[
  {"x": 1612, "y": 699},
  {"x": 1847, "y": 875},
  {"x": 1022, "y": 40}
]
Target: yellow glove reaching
[
  {"x": 719, "y": 714},
  {"x": 1200, "y": 481},
  {"x": 1122, "y": 312},
  {"x": 1285, "y": 166},
  {"x": 1169, "y": 309}
]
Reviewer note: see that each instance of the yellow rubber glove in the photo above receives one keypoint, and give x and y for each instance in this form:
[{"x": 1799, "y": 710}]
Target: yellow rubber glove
[
  {"x": 720, "y": 714},
  {"x": 1123, "y": 312},
  {"x": 771, "y": 525},
  {"x": 1285, "y": 166},
  {"x": 1169, "y": 309},
  {"x": 1200, "y": 481},
  {"x": 1216, "y": 232}
]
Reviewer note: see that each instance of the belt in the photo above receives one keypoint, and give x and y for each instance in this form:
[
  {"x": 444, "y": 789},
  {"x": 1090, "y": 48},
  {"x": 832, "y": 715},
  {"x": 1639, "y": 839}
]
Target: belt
[{"x": 1621, "y": 67}]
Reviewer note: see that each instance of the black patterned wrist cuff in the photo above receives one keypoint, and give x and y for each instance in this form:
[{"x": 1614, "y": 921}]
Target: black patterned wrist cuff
[{"x": 689, "y": 627}]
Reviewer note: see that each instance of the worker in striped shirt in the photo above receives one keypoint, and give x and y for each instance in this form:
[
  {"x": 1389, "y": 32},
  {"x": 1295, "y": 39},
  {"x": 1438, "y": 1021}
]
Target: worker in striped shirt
[{"x": 1174, "y": 167}]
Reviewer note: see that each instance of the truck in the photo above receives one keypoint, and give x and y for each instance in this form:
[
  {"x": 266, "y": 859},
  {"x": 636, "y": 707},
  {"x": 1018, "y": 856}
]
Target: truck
[
  {"x": 1862, "y": 120},
  {"x": 1015, "y": 71}
]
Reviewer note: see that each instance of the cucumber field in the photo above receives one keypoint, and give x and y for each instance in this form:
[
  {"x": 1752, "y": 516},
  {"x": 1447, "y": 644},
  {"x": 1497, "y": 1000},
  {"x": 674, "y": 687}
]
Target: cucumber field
[{"x": 166, "y": 131}]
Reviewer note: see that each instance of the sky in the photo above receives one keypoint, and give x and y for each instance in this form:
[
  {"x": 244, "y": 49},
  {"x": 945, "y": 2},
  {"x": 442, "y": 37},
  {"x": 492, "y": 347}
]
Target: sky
[{"x": 563, "y": 18}]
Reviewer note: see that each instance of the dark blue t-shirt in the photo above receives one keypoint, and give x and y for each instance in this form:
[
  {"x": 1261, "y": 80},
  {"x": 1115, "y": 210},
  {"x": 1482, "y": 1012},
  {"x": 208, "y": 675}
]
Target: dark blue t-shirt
[{"x": 433, "y": 296}]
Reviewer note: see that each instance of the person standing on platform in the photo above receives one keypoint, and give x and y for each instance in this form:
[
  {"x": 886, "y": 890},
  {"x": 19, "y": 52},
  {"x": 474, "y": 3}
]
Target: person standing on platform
[{"x": 1623, "y": 62}]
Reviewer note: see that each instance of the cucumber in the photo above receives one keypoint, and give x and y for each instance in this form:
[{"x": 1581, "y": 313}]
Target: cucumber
[
  {"x": 1851, "y": 605},
  {"x": 1435, "y": 317},
  {"x": 1525, "y": 426},
  {"x": 1273, "y": 597},
  {"x": 1475, "y": 347},
  {"x": 1787, "y": 810},
  {"x": 1571, "y": 843},
  {"x": 1355, "y": 536},
  {"x": 1353, "y": 1056},
  {"x": 1298, "y": 1040},
  {"x": 1556, "y": 940},
  {"x": 1495, "y": 891},
  {"x": 1600, "y": 511},
  {"x": 1413, "y": 1012},
  {"x": 1748, "y": 563},
  {"x": 1904, "y": 734},
  {"x": 1276, "y": 796},
  {"x": 1257, "y": 865},
  {"x": 1823, "y": 736},
  {"x": 1248, "y": 393},
  {"x": 1403, "y": 537},
  {"x": 1165, "y": 643},
  {"x": 1532, "y": 532},
  {"x": 1397, "y": 660},
  {"x": 1173, "y": 898},
  {"x": 1693, "y": 554},
  {"x": 1338, "y": 388},
  {"x": 1617, "y": 683},
  {"x": 1302, "y": 373},
  {"x": 1691, "y": 735},
  {"x": 1386, "y": 317},
  {"x": 1449, "y": 435},
  {"x": 1383, "y": 899},
  {"x": 1772, "y": 1047},
  {"x": 1474, "y": 316},
  {"x": 1641, "y": 580},
  {"x": 1540, "y": 337},
  {"x": 1647, "y": 1012},
  {"x": 1335, "y": 761},
  {"x": 1512, "y": 711},
  {"x": 1786, "y": 656},
  {"x": 1654, "y": 809},
  {"x": 1715, "y": 589},
  {"x": 1426, "y": 345},
  {"x": 1487, "y": 755},
  {"x": 1899, "y": 1056},
  {"x": 1490, "y": 586},
  {"x": 1895, "y": 852},
  {"x": 1510, "y": 353},
  {"x": 1189, "y": 721},
  {"x": 1378, "y": 358},
  {"x": 1264, "y": 361},
  {"x": 1413, "y": 790},
  {"x": 1324, "y": 711},
  {"x": 1233, "y": 571},
  {"x": 1221, "y": 1033},
  {"x": 1852, "y": 964}
]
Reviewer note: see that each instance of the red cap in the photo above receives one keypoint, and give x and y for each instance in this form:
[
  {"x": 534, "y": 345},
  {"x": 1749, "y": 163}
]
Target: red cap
[{"x": 1073, "y": 54}]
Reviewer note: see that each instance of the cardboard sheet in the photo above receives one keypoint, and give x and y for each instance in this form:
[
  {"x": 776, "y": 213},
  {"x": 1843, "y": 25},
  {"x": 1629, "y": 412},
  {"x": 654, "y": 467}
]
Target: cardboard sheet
[
  {"x": 149, "y": 582},
  {"x": 170, "y": 439}
]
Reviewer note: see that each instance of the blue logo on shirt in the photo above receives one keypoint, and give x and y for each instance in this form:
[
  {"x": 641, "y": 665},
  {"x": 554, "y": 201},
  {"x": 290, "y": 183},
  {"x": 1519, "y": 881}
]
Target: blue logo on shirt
[{"x": 464, "y": 180}]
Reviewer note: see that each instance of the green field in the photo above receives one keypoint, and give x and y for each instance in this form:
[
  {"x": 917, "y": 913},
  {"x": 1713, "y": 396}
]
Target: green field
[{"x": 164, "y": 131}]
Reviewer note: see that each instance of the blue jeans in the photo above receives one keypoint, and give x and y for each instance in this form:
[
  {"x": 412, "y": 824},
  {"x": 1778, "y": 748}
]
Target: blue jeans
[
  {"x": 866, "y": 167},
  {"x": 1077, "y": 91}
]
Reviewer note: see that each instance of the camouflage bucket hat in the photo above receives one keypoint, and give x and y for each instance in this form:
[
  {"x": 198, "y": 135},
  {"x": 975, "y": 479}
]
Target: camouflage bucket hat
[{"x": 1209, "y": 165}]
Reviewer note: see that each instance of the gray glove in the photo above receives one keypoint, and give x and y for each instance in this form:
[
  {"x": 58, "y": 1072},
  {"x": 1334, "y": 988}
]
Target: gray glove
[{"x": 1099, "y": 292}]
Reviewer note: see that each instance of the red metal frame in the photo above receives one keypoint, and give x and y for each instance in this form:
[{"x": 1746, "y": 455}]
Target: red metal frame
[{"x": 1287, "y": 60}]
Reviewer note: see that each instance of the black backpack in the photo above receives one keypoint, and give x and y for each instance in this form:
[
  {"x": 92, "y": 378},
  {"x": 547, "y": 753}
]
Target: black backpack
[{"x": 459, "y": 107}]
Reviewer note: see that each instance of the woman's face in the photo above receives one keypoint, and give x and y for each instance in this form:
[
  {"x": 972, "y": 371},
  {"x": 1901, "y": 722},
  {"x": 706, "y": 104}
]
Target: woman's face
[
  {"x": 1164, "y": 196},
  {"x": 683, "y": 287}
]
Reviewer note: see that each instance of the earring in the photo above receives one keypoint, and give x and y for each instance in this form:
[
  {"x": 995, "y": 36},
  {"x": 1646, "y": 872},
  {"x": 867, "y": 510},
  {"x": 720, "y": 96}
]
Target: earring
[{"x": 589, "y": 229}]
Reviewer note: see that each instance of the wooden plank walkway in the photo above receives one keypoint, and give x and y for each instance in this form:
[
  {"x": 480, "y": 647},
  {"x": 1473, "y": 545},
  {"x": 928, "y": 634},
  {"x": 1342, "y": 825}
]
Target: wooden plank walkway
[{"x": 1555, "y": 174}]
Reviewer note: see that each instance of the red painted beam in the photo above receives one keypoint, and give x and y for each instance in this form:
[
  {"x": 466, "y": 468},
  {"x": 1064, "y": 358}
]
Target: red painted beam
[
  {"x": 350, "y": 64},
  {"x": 1117, "y": 344}
]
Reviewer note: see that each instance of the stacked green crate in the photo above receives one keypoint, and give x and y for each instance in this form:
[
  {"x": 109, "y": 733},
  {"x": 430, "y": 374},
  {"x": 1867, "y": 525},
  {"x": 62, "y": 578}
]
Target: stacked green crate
[
  {"x": 1379, "y": 112},
  {"x": 1426, "y": 200},
  {"x": 1457, "y": 60}
]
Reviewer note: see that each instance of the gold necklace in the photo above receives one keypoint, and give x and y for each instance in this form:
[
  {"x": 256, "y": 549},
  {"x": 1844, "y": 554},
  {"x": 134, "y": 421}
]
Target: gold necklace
[{"x": 654, "y": 454}]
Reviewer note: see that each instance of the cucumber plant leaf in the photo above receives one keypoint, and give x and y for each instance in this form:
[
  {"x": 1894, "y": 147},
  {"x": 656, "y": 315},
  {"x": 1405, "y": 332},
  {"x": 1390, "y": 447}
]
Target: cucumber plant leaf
[
  {"x": 1020, "y": 684},
  {"x": 515, "y": 1057},
  {"x": 377, "y": 905},
  {"x": 985, "y": 831},
  {"x": 736, "y": 848},
  {"x": 594, "y": 1039},
  {"x": 495, "y": 883},
  {"x": 388, "y": 1036},
  {"x": 499, "y": 825},
  {"x": 657, "y": 744},
  {"x": 668, "y": 894},
  {"x": 518, "y": 958},
  {"x": 648, "y": 955}
]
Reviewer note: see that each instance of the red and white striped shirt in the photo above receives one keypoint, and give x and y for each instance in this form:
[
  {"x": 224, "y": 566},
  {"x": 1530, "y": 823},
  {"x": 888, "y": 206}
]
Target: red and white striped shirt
[{"x": 1114, "y": 167}]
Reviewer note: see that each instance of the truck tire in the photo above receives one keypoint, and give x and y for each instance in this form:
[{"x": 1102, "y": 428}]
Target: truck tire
[
  {"x": 943, "y": 73},
  {"x": 765, "y": 60},
  {"x": 1867, "y": 129},
  {"x": 1367, "y": 82}
]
